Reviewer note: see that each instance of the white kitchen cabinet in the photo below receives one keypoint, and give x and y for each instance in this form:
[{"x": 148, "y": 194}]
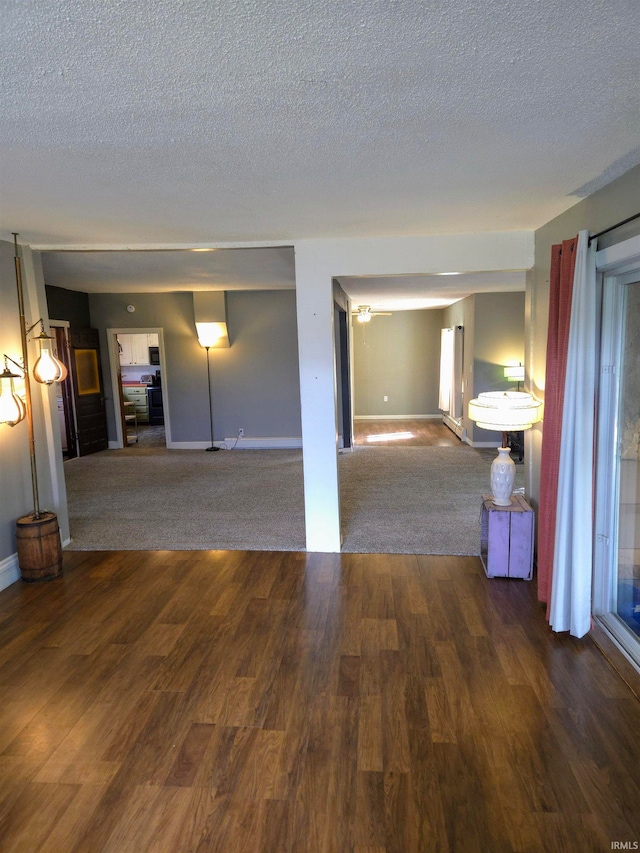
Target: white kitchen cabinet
[
  {"x": 134, "y": 349},
  {"x": 138, "y": 396},
  {"x": 124, "y": 348},
  {"x": 139, "y": 349}
]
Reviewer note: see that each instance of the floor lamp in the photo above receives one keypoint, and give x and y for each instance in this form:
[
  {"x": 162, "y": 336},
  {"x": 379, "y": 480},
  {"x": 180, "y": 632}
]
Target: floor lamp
[
  {"x": 212, "y": 447},
  {"x": 208, "y": 335},
  {"x": 37, "y": 534}
]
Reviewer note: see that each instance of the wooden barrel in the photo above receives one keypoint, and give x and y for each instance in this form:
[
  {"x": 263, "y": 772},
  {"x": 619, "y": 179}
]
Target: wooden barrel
[{"x": 39, "y": 548}]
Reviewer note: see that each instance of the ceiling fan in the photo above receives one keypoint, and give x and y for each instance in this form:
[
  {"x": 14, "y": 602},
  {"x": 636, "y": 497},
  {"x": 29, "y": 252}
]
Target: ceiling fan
[{"x": 363, "y": 313}]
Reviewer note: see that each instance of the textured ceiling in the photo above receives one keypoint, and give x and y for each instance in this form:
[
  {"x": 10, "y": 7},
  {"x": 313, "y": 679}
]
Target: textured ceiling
[{"x": 193, "y": 121}]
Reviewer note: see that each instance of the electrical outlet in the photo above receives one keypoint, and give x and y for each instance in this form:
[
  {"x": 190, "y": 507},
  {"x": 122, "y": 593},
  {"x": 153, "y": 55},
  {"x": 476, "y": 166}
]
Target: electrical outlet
[
  {"x": 385, "y": 399},
  {"x": 241, "y": 433}
]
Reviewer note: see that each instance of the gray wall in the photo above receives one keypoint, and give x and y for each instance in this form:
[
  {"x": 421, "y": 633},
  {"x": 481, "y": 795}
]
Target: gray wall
[
  {"x": 498, "y": 341},
  {"x": 604, "y": 208},
  {"x": 397, "y": 356},
  {"x": 254, "y": 382}
]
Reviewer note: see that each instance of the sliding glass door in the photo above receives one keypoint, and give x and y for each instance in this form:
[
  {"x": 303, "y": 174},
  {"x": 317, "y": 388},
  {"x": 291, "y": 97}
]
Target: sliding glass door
[{"x": 617, "y": 570}]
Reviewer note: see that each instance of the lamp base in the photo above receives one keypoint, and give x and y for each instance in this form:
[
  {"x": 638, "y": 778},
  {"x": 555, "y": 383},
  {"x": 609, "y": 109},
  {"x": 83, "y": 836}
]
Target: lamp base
[
  {"x": 213, "y": 447},
  {"x": 39, "y": 547},
  {"x": 503, "y": 474}
]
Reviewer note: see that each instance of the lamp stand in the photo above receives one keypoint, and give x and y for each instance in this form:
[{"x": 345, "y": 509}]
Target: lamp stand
[
  {"x": 27, "y": 383},
  {"x": 213, "y": 447},
  {"x": 37, "y": 535}
]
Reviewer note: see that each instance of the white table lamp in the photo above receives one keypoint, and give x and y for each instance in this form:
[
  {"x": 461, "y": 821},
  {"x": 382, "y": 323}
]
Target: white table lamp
[{"x": 504, "y": 411}]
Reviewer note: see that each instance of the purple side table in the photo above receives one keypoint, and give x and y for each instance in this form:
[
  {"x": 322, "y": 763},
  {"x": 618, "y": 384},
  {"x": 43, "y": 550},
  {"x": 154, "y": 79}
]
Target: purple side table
[{"x": 506, "y": 538}]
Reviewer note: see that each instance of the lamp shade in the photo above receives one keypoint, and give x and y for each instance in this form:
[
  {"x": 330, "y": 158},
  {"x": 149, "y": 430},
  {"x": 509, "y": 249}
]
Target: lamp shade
[
  {"x": 515, "y": 372},
  {"x": 48, "y": 368},
  {"x": 505, "y": 411},
  {"x": 210, "y": 333},
  {"x": 12, "y": 407},
  {"x": 210, "y": 315}
]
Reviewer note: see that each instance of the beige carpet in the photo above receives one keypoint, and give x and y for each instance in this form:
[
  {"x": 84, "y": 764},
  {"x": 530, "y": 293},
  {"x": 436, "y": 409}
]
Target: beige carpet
[{"x": 412, "y": 500}]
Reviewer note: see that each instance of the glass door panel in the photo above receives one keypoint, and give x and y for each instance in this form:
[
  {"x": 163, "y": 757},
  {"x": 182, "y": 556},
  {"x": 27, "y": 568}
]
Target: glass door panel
[
  {"x": 617, "y": 542},
  {"x": 627, "y": 583}
]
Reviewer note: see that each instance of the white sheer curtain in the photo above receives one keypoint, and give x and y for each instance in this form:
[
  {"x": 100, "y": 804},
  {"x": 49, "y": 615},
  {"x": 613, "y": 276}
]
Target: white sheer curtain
[
  {"x": 446, "y": 369},
  {"x": 571, "y": 588},
  {"x": 450, "y": 396}
]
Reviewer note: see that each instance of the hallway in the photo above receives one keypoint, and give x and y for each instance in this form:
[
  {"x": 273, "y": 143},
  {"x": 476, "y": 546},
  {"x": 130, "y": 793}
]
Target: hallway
[{"x": 403, "y": 433}]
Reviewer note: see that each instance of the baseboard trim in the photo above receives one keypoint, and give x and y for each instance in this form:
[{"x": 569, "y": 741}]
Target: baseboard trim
[
  {"x": 113, "y": 445},
  {"x": 454, "y": 424},
  {"x": 191, "y": 445},
  {"x": 9, "y": 571},
  {"x": 279, "y": 443},
  {"x": 276, "y": 443},
  {"x": 397, "y": 417}
]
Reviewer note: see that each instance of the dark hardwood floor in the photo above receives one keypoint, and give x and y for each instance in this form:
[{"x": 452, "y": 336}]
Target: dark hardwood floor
[
  {"x": 423, "y": 433},
  {"x": 270, "y": 701}
]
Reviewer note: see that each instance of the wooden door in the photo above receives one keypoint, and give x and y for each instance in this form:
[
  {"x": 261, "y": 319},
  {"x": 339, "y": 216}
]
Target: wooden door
[
  {"x": 91, "y": 419},
  {"x": 65, "y": 391}
]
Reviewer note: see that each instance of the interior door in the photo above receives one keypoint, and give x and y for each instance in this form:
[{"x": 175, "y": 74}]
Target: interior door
[
  {"x": 341, "y": 331},
  {"x": 91, "y": 419},
  {"x": 65, "y": 392}
]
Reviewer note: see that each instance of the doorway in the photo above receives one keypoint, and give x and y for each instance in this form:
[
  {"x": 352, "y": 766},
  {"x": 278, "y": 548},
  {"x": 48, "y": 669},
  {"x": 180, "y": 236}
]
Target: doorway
[
  {"x": 139, "y": 386},
  {"x": 80, "y": 401},
  {"x": 344, "y": 419}
]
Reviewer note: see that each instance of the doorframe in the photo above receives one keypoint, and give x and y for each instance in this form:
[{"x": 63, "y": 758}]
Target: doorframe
[
  {"x": 114, "y": 368},
  {"x": 617, "y": 266}
]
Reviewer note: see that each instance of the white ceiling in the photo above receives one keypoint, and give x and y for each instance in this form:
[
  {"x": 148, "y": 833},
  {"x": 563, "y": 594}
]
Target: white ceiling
[
  {"x": 207, "y": 121},
  {"x": 167, "y": 271},
  {"x": 413, "y": 292},
  {"x": 256, "y": 269}
]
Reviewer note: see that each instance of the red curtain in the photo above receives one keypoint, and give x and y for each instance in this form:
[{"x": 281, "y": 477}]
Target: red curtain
[{"x": 563, "y": 261}]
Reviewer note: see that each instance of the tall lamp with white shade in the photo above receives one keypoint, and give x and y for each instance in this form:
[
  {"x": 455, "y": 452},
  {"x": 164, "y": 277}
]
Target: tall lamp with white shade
[
  {"x": 210, "y": 314},
  {"x": 208, "y": 336},
  {"x": 504, "y": 411}
]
